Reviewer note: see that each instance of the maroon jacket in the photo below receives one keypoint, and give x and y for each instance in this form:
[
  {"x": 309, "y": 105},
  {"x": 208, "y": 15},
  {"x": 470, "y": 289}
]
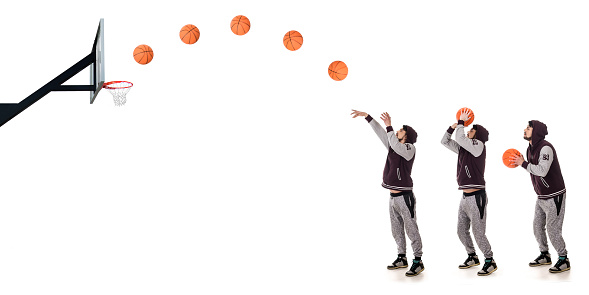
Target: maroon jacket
[
  {"x": 470, "y": 170},
  {"x": 547, "y": 184},
  {"x": 397, "y": 170}
]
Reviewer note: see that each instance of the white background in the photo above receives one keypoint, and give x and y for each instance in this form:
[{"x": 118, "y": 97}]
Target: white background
[{"x": 235, "y": 165}]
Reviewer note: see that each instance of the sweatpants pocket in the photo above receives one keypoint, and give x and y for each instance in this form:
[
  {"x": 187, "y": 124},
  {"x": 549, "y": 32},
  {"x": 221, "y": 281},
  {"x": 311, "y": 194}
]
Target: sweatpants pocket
[
  {"x": 410, "y": 202},
  {"x": 558, "y": 202},
  {"x": 481, "y": 201}
]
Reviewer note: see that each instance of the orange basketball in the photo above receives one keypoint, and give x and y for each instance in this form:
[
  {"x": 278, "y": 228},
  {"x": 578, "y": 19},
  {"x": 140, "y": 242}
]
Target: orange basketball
[
  {"x": 466, "y": 123},
  {"x": 143, "y": 54},
  {"x": 293, "y": 40},
  {"x": 240, "y": 25},
  {"x": 189, "y": 34},
  {"x": 510, "y": 153},
  {"x": 338, "y": 70}
]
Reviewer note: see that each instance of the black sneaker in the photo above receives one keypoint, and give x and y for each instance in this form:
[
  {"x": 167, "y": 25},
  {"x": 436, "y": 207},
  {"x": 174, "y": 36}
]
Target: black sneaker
[
  {"x": 561, "y": 265},
  {"x": 400, "y": 262},
  {"x": 471, "y": 261},
  {"x": 415, "y": 269},
  {"x": 489, "y": 267},
  {"x": 543, "y": 259}
]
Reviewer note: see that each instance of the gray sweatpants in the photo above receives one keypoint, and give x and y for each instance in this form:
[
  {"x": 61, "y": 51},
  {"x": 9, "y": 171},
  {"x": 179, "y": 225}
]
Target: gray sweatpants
[
  {"x": 550, "y": 216},
  {"x": 473, "y": 210},
  {"x": 403, "y": 218}
]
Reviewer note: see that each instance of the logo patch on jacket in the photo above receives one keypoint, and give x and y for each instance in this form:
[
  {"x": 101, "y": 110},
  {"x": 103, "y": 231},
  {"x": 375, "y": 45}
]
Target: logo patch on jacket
[{"x": 545, "y": 157}]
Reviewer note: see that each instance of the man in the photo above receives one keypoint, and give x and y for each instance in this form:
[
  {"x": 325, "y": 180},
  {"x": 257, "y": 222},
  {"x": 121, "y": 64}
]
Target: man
[
  {"x": 471, "y": 180},
  {"x": 397, "y": 178},
  {"x": 548, "y": 183}
]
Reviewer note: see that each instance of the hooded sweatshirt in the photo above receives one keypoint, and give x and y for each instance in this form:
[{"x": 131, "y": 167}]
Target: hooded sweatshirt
[
  {"x": 397, "y": 170},
  {"x": 470, "y": 170},
  {"x": 543, "y": 164}
]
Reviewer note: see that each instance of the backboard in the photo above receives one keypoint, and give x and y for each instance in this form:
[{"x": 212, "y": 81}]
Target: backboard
[
  {"x": 97, "y": 68},
  {"x": 94, "y": 60}
]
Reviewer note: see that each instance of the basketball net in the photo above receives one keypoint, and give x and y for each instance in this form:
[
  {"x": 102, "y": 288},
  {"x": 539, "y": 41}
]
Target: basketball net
[{"x": 119, "y": 90}]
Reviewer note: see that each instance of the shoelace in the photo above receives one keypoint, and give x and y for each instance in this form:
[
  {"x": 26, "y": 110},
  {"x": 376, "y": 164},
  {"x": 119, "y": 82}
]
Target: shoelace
[
  {"x": 469, "y": 259},
  {"x": 415, "y": 265},
  {"x": 560, "y": 262},
  {"x": 487, "y": 264},
  {"x": 398, "y": 260},
  {"x": 540, "y": 257}
]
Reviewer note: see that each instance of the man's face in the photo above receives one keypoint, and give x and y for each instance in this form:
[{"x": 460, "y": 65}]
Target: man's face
[
  {"x": 471, "y": 133},
  {"x": 401, "y": 133},
  {"x": 528, "y": 133}
]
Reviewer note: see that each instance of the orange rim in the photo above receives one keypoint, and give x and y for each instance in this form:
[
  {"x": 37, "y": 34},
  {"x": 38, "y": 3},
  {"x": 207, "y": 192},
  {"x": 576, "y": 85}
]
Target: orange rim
[{"x": 117, "y": 85}]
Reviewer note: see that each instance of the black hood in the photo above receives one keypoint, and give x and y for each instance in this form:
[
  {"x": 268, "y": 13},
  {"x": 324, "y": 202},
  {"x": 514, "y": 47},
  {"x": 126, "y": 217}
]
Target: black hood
[
  {"x": 540, "y": 131},
  {"x": 482, "y": 134},
  {"x": 411, "y": 134}
]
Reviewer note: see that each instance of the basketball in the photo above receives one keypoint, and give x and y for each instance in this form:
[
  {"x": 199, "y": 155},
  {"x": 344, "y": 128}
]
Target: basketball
[
  {"x": 189, "y": 34},
  {"x": 143, "y": 54},
  {"x": 338, "y": 70},
  {"x": 240, "y": 25},
  {"x": 510, "y": 153},
  {"x": 466, "y": 123},
  {"x": 293, "y": 40}
]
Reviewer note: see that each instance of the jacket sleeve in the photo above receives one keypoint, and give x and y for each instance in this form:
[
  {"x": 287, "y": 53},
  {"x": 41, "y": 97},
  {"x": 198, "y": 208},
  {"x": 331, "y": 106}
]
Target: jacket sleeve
[
  {"x": 380, "y": 132},
  {"x": 448, "y": 142},
  {"x": 473, "y": 146},
  {"x": 405, "y": 150},
  {"x": 544, "y": 163}
]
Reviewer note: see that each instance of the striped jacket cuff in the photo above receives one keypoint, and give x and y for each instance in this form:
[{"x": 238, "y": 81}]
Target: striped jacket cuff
[
  {"x": 397, "y": 188},
  {"x": 552, "y": 195},
  {"x": 469, "y": 186}
]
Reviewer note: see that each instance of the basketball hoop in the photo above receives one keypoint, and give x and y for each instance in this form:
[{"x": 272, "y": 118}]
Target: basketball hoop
[{"x": 119, "y": 90}]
